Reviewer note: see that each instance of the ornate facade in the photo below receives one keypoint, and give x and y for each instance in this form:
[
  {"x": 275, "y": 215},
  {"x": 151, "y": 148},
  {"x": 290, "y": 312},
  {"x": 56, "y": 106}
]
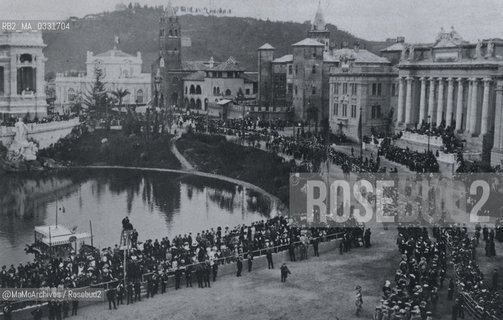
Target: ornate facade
[
  {"x": 22, "y": 67},
  {"x": 454, "y": 83},
  {"x": 120, "y": 71}
]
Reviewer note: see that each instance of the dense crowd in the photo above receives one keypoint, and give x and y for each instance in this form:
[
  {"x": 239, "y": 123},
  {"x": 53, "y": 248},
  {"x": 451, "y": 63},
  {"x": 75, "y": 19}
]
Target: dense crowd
[
  {"x": 415, "y": 161},
  {"x": 470, "y": 279},
  {"x": 420, "y": 274},
  {"x": 11, "y": 120},
  {"x": 154, "y": 261}
]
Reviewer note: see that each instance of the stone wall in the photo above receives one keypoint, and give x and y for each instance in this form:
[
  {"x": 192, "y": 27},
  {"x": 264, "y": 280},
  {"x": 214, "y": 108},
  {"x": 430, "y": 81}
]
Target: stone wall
[{"x": 44, "y": 133}]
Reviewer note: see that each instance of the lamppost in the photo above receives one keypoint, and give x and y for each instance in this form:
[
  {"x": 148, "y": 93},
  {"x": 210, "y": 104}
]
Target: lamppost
[{"x": 429, "y": 128}]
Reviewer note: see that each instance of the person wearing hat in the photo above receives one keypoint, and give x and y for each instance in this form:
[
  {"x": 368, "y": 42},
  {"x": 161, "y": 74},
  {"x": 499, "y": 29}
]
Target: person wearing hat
[
  {"x": 178, "y": 276},
  {"x": 129, "y": 293},
  {"x": 111, "y": 298},
  {"x": 137, "y": 290},
  {"x": 270, "y": 263},
  {"x": 284, "y": 272},
  {"x": 207, "y": 274}
]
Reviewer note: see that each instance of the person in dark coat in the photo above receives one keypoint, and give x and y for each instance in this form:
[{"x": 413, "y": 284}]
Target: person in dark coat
[
  {"x": 291, "y": 251},
  {"x": 315, "y": 242},
  {"x": 199, "y": 275},
  {"x": 129, "y": 293},
  {"x": 215, "y": 271},
  {"x": 178, "y": 276},
  {"x": 250, "y": 261},
  {"x": 188, "y": 276},
  {"x": 120, "y": 294},
  {"x": 284, "y": 272},
  {"x": 137, "y": 291},
  {"x": 111, "y": 298},
  {"x": 270, "y": 263},
  {"x": 66, "y": 308},
  {"x": 75, "y": 307},
  {"x": 239, "y": 264},
  {"x": 207, "y": 274}
]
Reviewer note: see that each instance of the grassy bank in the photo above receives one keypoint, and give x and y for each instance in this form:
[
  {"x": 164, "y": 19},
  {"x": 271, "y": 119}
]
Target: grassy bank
[
  {"x": 102, "y": 147},
  {"x": 216, "y": 155}
]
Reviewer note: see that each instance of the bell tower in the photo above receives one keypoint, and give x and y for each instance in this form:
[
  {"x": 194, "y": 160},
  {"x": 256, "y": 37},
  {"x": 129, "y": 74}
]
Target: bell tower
[
  {"x": 319, "y": 30},
  {"x": 170, "y": 60}
]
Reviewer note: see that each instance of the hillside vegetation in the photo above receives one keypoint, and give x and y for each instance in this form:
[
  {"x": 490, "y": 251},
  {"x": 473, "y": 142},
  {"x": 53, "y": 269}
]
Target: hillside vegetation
[{"x": 137, "y": 29}]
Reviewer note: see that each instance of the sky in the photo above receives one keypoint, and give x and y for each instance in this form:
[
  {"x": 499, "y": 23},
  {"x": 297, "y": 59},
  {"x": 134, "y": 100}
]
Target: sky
[{"x": 416, "y": 20}]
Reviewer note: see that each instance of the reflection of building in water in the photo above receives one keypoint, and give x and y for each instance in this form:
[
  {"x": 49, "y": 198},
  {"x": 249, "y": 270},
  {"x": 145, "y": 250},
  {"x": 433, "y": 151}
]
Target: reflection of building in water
[{"x": 22, "y": 64}]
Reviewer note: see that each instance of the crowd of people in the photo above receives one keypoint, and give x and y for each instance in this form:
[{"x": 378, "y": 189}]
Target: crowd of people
[
  {"x": 469, "y": 278},
  {"x": 415, "y": 161},
  {"x": 420, "y": 274},
  {"x": 154, "y": 261},
  {"x": 11, "y": 120}
]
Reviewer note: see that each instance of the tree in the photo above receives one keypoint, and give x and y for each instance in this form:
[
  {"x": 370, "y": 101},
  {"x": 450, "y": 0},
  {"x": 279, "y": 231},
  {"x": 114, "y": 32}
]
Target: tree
[
  {"x": 120, "y": 94},
  {"x": 96, "y": 97}
]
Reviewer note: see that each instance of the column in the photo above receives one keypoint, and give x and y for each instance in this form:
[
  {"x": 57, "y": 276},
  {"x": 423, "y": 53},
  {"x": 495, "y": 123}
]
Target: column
[
  {"x": 497, "y": 150},
  {"x": 485, "y": 106},
  {"x": 459, "y": 105},
  {"x": 431, "y": 100},
  {"x": 450, "y": 102},
  {"x": 422, "y": 101},
  {"x": 468, "y": 105},
  {"x": 440, "y": 102},
  {"x": 408, "y": 100},
  {"x": 473, "y": 108},
  {"x": 401, "y": 95}
]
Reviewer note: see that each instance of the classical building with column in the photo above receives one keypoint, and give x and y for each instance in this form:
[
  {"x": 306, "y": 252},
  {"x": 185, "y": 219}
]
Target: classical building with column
[
  {"x": 455, "y": 83},
  {"x": 22, "y": 66}
]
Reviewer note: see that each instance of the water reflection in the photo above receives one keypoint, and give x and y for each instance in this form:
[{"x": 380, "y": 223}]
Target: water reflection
[{"x": 158, "y": 204}]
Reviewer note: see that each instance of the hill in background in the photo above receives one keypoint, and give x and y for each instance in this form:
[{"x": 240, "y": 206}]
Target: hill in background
[{"x": 138, "y": 30}]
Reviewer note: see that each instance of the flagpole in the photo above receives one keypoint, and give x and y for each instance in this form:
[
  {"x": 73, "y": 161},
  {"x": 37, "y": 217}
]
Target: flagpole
[
  {"x": 56, "y": 213},
  {"x": 361, "y": 139}
]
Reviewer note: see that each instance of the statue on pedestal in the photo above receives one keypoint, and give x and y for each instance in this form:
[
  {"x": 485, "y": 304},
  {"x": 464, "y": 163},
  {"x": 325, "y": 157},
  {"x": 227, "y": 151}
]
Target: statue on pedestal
[
  {"x": 21, "y": 148},
  {"x": 478, "y": 50}
]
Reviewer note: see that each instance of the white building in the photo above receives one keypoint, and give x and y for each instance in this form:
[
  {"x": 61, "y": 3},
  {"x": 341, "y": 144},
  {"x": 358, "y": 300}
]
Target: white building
[
  {"x": 120, "y": 71},
  {"x": 22, "y": 66}
]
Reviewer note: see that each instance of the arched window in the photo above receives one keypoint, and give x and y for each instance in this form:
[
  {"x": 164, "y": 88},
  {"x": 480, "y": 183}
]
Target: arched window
[
  {"x": 314, "y": 69},
  {"x": 192, "y": 89},
  {"x": 125, "y": 73},
  {"x": 192, "y": 103},
  {"x": 25, "y": 57},
  {"x": 176, "y": 32},
  {"x": 186, "y": 102},
  {"x": 139, "y": 96},
  {"x": 186, "y": 89},
  {"x": 214, "y": 91},
  {"x": 70, "y": 95},
  {"x": 228, "y": 92},
  {"x": 198, "y": 89},
  {"x": 206, "y": 103},
  {"x": 170, "y": 33},
  {"x": 198, "y": 103},
  {"x": 218, "y": 90}
]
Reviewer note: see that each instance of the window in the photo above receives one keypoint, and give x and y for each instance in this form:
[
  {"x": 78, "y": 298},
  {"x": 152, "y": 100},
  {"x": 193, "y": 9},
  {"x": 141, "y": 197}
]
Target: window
[
  {"x": 170, "y": 33},
  {"x": 376, "y": 112},
  {"x": 26, "y": 80},
  {"x": 336, "y": 109},
  {"x": 139, "y": 96},
  {"x": 313, "y": 90},
  {"x": 393, "y": 89},
  {"x": 344, "y": 110},
  {"x": 344, "y": 88},
  {"x": 353, "y": 89},
  {"x": 314, "y": 70},
  {"x": 25, "y": 58},
  {"x": 71, "y": 95},
  {"x": 228, "y": 92},
  {"x": 161, "y": 32},
  {"x": 289, "y": 88},
  {"x": 376, "y": 89},
  {"x": 198, "y": 89},
  {"x": 192, "y": 89},
  {"x": 186, "y": 89},
  {"x": 247, "y": 91},
  {"x": 290, "y": 69},
  {"x": 296, "y": 70},
  {"x": 353, "y": 111},
  {"x": 336, "y": 88},
  {"x": 296, "y": 90}
]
